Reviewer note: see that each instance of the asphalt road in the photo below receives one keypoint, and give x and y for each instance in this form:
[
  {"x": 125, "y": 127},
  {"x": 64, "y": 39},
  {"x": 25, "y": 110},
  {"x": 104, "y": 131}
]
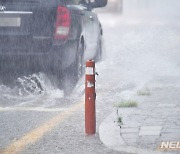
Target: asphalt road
[
  {"x": 51, "y": 131},
  {"x": 44, "y": 123}
]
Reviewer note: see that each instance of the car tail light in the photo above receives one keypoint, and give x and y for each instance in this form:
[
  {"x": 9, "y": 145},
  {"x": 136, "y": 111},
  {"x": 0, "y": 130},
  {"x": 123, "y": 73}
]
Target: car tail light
[{"x": 63, "y": 22}]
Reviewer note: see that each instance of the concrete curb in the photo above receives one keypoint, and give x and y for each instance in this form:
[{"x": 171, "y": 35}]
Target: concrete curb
[{"x": 109, "y": 133}]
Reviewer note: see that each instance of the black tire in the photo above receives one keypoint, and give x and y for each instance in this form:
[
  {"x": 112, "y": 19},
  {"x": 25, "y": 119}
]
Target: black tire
[
  {"x": 56, "y": 76},
  {"x": 79, "y": 64},
  {"x": 74, "y": 72},
  {"x": 99, "y": 51}
]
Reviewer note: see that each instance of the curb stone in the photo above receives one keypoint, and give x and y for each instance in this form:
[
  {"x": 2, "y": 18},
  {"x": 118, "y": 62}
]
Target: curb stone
[{"x": 109, "y": 133}]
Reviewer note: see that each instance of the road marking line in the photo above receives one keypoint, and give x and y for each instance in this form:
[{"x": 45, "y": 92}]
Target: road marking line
[
  {"x": 38, "y": 109},
  {"x": 39, "y": 132}
]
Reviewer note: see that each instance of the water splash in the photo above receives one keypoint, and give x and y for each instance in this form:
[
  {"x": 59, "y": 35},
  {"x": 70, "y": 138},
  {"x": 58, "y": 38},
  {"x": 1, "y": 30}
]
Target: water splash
[
  {"x": 29, "y": 89},
  {"x": 32, "y": 84}
]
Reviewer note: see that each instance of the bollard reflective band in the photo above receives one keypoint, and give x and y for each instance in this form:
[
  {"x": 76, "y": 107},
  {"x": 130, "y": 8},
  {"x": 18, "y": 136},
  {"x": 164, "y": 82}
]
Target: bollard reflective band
[
  {"x": 90, "y": 84},
  {"x": 90, "y": 71}
]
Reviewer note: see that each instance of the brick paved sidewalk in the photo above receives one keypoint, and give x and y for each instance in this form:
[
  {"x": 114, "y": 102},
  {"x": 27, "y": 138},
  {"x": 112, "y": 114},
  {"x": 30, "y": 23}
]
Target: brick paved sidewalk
[{"x": 155, "y": 120}]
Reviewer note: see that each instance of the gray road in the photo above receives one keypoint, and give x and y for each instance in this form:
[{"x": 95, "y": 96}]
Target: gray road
[{"x": 136, "y": 50}]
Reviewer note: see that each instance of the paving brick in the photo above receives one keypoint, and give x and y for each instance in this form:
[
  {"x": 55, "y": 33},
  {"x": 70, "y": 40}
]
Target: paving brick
[
  {"x": 129, "y": 130},
  {"x": 131, "y": 142},
  {"x": 130, "y": 136},
  {"x": 150, "y": 130},
  {"x": 170, "y": 137},
  {"x": 170, "y": 130}
]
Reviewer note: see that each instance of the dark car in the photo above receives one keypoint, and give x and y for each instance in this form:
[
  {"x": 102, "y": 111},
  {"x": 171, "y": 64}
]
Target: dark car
[{"x": 54, "y": 36}]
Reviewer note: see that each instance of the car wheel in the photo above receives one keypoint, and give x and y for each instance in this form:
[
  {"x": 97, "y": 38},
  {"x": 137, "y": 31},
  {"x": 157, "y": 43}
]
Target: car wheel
[
  {"x": 99, "y": 51},
  {"x": 74, "y": 72},
  {"x": 79, "y": 70}
]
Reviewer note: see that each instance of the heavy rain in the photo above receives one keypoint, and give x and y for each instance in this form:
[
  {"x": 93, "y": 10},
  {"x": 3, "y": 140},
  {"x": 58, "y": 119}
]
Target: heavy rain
[{"x": 140, "y": 52}]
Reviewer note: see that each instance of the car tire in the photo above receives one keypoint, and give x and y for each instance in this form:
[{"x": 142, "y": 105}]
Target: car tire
[
  {"x": 74, "y": 72},
  {"x": 79, "y": 64},
  {"x": 99, "y": 51}
]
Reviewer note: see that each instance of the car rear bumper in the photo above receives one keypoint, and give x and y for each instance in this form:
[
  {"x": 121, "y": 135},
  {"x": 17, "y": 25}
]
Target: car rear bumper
[{"x": 58, "y": 58}]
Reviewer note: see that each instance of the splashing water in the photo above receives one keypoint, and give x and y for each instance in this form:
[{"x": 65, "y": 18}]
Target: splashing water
[
  {"x": 32, "y": 84},
  {"x": 29, "y": 89}
]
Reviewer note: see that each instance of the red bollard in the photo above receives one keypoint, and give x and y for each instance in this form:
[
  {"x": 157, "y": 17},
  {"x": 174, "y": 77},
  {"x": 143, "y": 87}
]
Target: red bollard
[{"x": 90, "y": 97}]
